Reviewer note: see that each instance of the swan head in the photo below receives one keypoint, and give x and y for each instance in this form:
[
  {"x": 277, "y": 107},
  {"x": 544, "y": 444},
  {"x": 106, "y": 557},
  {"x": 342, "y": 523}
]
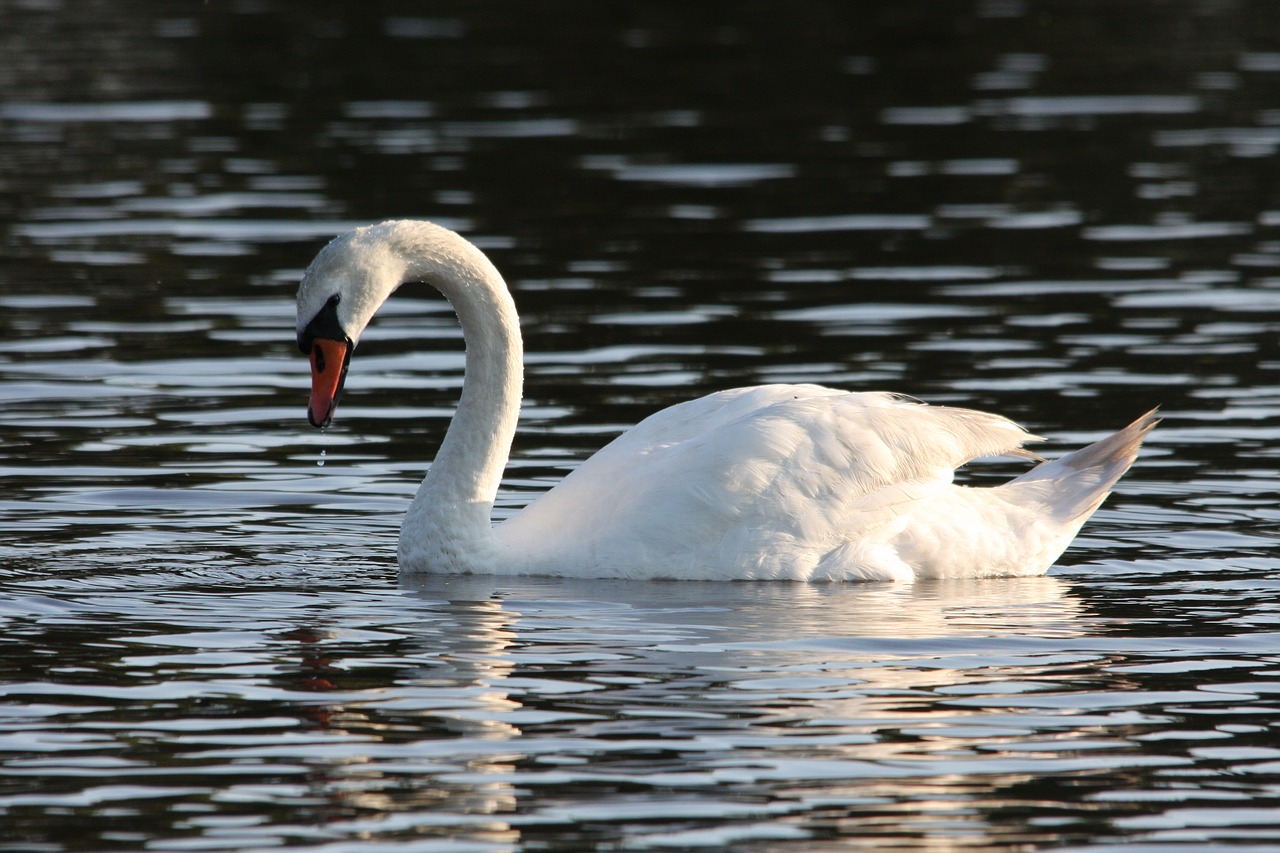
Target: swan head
[
  {"x": 340, "y": 291},
  {"x": 352, "y": 276}
]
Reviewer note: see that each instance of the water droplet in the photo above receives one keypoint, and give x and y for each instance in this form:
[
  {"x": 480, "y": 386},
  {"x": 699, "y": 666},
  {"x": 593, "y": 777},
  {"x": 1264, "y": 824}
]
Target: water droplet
[{"x": 320, "y": 461}]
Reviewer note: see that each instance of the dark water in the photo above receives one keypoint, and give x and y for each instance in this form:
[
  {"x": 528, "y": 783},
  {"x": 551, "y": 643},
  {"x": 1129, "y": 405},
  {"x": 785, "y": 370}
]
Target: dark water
[{"x": 1061, "y": 210}]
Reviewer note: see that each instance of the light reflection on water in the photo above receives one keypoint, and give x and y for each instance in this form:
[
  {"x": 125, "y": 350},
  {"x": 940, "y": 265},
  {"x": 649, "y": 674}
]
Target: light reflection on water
[
  {"x": 645, "y": 709},
  {"x": 205, "y": 642}
]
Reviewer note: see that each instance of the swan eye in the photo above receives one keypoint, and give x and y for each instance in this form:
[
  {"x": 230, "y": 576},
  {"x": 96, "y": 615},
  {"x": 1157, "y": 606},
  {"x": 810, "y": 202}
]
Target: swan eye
[{"x": 324, "y": 325}]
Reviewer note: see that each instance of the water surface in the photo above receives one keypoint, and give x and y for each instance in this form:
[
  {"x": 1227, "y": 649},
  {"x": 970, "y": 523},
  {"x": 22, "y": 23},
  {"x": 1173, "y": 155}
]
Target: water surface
[{"x": 1062, "y": 212}]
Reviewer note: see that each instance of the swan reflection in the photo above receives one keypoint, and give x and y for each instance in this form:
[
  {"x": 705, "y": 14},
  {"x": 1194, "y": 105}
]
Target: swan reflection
[
  {"x": 667, "y": 660},
  {"x": 527, "y": 686}
]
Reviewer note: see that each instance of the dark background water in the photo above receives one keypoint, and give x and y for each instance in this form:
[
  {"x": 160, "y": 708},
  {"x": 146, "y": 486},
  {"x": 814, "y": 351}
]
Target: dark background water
[{"x": 1065, "y": 212}]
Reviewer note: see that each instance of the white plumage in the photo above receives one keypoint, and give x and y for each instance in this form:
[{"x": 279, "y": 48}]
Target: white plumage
[{"x": 794, "y": 482}]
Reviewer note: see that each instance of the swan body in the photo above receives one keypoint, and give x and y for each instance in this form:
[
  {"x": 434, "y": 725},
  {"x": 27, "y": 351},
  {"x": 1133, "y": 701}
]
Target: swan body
[{"x": 785, "y": 482}]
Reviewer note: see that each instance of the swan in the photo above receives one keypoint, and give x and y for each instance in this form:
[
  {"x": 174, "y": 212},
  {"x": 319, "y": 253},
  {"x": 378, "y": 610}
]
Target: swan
[{"x": 778, "y": 482}]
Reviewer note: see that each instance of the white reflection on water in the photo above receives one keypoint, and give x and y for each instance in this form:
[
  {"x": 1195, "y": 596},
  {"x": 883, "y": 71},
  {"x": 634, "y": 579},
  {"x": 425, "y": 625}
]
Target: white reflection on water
[
  {"x": 691, "y": 174},
  {"x": 123, "y": 111}
]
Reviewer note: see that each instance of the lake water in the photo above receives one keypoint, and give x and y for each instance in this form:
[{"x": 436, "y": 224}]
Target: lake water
[{"x": 1065, "y": 212}]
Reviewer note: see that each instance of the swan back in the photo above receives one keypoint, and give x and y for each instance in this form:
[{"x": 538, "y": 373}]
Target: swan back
[{"x": 795, "y": 482}]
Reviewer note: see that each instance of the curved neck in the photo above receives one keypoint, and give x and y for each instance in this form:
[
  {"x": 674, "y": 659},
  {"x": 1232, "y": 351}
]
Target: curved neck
[{"x": 449, "y": 519}]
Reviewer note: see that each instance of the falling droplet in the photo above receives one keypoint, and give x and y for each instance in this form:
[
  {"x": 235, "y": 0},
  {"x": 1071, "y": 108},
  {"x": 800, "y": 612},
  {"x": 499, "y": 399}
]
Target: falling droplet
[{"x": 320, "y": 461}]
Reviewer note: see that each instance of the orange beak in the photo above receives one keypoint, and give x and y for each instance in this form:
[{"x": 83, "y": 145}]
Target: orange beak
[{"x": 329, "y": 361}]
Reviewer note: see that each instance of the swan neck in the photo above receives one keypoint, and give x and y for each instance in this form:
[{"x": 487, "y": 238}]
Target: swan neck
[
  {"x": 477, "y": 444},
  {"x": 449, "y": 520}
]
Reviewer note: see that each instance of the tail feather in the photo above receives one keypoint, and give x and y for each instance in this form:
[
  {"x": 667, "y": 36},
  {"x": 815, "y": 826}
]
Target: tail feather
[{"x": 1076, "y": 484}]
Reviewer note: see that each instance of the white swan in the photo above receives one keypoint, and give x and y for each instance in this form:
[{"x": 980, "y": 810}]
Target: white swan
[{"x": 794, "y": 482}]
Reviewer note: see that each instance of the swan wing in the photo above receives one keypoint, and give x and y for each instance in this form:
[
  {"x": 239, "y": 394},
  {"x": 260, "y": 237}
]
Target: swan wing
[{"x": 777, "y": 481}]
